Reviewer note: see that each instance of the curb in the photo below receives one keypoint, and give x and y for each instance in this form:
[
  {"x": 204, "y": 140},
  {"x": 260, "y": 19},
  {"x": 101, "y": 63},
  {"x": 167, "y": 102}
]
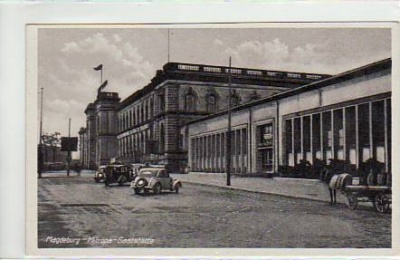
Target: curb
[{"x": 259, "y": 192}]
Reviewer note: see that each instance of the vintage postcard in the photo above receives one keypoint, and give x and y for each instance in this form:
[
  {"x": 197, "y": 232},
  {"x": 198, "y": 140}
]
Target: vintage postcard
[{"x": 194, "y": 139}]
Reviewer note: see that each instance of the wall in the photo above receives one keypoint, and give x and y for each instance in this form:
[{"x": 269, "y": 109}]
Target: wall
[{"x": 276, "y": 111}]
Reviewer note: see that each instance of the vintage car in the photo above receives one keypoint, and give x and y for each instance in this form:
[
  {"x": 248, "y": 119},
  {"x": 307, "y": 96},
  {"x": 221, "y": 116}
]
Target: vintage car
[
  {"x": 117, "y": 173},
  {"x": 99, "y": 175},
  {"x": 135, "y": 168},
  {"x": 156, "y": 180}
]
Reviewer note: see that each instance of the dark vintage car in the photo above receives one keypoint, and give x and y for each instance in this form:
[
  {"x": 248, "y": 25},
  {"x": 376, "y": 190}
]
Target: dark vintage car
[
  {"x": 117, "y": 173},
  {"x": 156, "y": 180}
]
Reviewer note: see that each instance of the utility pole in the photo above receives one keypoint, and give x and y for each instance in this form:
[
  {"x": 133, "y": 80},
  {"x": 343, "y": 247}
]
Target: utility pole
[
  {"x": 69, "y": 147},
  {"x": 40, "y": 153},
  {"x": 228, "y": 134}
]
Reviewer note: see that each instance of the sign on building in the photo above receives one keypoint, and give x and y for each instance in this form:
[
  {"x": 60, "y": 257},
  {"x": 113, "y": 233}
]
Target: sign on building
[{"x": 69, "y": 143}]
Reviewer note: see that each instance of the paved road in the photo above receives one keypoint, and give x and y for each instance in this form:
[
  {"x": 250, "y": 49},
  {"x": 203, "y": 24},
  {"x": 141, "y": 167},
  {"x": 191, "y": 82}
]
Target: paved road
[{"x": 76, "y": 212}]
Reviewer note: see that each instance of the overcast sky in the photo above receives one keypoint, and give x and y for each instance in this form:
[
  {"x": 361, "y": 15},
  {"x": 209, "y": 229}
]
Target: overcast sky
[{"x": 130, "y": 58}]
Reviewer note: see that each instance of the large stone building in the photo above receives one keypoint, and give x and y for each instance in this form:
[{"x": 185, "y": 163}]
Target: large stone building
[
  {"x": 98, "y": 142},
  {"x": 345, "y": 117},
  {"x": 150, "y": 120},
  {"x": 83, "y": 147}
]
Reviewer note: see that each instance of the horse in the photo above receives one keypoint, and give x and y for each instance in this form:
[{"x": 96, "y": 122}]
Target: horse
[{"x": 335, "y": 178}]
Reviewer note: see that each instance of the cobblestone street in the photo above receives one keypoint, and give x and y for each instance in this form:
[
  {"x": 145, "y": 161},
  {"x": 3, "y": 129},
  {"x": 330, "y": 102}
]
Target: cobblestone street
[{"x": 91, "y": 215}]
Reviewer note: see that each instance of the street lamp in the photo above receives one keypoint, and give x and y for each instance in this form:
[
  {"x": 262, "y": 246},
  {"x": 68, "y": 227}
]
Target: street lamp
[
  {"x": 40, "y": 148},
  {"x": 228, "y": 134}
]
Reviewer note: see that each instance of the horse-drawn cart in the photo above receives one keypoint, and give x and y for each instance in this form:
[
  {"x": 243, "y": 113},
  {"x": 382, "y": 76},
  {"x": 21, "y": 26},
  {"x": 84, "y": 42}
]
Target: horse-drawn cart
[{"x": 379, "y": 195}]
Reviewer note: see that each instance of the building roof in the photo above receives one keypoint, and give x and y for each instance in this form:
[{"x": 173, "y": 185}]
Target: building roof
[
  {"x": 347, "y": 75},
  {"x": 89, "y": 107},
  {"x": 220, "y": 74}
]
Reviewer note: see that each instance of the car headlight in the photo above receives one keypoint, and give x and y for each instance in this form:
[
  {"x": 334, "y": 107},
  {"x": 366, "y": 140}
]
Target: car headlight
[
  {"x": 140, "y": 182},
  {"x": 100, "y": 175}
]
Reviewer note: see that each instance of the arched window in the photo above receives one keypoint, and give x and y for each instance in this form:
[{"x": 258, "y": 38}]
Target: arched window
[
  {"x": 190, "y": 101},
  {"x": 147, "y": 110},
  {"x": 130, "y": 118},
  {"x": 137, "y": 116},
  {"x": 162, "y": 138},
  {"x": 142, "y": 112},
  {"x": 235, "y": 99},
  {"x": 126, "y": 121},
  {"x": 98, "y": 124},
  {"x": 211, "y": 101},
  {"x": 151, "y": 107},
  {"x": 254, "y": 96},
  {"x": 161, "y": 99},
  {"x": 134, "y": 117}
]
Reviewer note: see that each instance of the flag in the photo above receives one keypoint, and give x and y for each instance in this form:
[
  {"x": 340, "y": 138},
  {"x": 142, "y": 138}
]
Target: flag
[
  {"x": 102, "y": 86},
  {"x": 100, "y": 67}
]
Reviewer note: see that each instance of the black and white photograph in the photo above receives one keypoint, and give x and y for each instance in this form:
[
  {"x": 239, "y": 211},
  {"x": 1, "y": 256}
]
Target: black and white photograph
[{"x": 234, "y": 136}]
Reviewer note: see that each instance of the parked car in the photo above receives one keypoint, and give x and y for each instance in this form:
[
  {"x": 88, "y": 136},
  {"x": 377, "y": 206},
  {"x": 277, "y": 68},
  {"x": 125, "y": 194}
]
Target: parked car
[
  {"x": 156, "y": 180},
  {"x": 117, "y": 173},
  {"x": 135, "y": 168},
  {"x": 99, "y": 175}
]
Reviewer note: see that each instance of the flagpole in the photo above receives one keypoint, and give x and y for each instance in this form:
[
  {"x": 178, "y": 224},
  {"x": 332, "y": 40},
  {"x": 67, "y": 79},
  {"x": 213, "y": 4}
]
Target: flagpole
[{"x": 168, "y": 45}]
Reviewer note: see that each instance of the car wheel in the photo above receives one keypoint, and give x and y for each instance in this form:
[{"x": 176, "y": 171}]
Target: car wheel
[
  {"x": 177, "y": 189},
  {"x": 97, "y": 180},
  {"x": 137, "y": 190},
  {"x": 157, "y": 188},
  {"x": 106, "y": 182},
  {"x": 122, "y": 181}
]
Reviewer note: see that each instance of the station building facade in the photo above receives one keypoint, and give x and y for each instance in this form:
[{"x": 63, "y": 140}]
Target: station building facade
[
  {"x": 98, "y": 140},
  {"x": 151, "y": 119},
  {"x": 345, "y": 117}
]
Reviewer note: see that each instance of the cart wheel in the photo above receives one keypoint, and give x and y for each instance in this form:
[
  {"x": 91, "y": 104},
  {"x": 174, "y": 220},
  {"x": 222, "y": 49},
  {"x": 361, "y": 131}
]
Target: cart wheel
[
  {"x": 381, "y": 203},
  {"x": 351, "y": 201}
]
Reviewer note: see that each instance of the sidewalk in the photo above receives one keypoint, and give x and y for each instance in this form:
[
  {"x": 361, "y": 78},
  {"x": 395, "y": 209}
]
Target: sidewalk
[{"x": 290, "y": 187}]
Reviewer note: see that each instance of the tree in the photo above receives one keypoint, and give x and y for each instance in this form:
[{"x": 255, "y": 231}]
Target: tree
[{"x": 52, "y": 140}]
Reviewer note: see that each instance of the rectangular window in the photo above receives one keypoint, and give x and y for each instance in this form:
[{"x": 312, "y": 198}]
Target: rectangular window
[
  {"x": 289, "y": 142},
  {"x": 338, "y": 133},
  {"x": 265, "y": 135},
  {"x": 306, "y": 135},
  {"x": 244, "y": 141},
  {"x": 350, "y": 132},
  {"x": 316, "y": 138},
  {"x": 363, "y": 131},
  {"x": 378, "y": 130},
  {"x": 297, "y": 140},
  {"x": 327, "y": 135}
]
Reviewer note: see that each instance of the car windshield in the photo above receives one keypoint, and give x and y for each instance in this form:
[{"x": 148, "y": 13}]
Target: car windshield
[{"x": 148, "y": 173}]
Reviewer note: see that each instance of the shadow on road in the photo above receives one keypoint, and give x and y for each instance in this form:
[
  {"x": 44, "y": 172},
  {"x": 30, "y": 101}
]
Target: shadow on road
[{"x": 150, "y": 194}]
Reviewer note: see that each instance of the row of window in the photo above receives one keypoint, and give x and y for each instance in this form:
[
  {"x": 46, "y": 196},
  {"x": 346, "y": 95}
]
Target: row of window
[
  {"x": 208, "y": 152},
  {"x": 212, "y": 101},
  {"x": 145, "y": 110},
  {"x": 355, "y": 133},
  {"x": 142, "y": 143},
  {"x": 134, "y": 144},
  {"x": 136, "y": 115}
]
